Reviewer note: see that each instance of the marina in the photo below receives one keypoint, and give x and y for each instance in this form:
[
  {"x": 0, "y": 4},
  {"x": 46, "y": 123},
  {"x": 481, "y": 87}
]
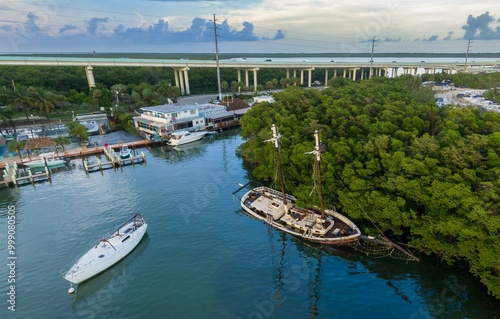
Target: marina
[
  {"x": 202, "y": 256},
  {"x": 39, "y": 169}
]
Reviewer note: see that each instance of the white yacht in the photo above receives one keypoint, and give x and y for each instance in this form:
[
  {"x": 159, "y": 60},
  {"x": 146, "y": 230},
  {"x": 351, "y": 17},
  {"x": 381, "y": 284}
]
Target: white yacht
[
  {"x": 107, "y": 252},
  {"x": 184, "y": 137}
]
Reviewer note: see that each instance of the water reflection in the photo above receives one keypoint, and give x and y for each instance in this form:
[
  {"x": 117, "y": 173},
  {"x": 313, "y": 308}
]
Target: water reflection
[
  {"x": 193, "y": 150},
  {"x": 429, "y": 288}
]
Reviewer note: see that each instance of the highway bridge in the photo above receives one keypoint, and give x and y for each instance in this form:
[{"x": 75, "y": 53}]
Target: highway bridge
[{"x": 353, "y": 70}]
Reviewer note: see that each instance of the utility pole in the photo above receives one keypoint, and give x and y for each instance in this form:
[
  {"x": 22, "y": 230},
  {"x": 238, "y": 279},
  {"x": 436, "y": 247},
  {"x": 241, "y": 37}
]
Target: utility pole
[
  {"x": 217, "y": 59},
  {"x": 466, "y": 56},
  {"x": 371, "y": 57}
]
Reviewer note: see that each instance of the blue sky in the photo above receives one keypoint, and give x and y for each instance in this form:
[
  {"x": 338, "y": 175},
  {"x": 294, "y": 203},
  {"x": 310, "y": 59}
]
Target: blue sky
[{"x": 249, "y": 26}]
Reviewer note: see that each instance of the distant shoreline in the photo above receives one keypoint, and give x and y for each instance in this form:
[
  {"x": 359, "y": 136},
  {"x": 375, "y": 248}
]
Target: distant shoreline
[{"x": 204, "y": 56}]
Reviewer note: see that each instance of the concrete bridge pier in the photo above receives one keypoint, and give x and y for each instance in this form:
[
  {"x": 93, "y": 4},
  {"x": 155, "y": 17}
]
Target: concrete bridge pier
[
  {"x": 90, "y": 76},
  {"x": 247, "y": 82},
  {"x": 254, "y": 80},
  {"x": 354, "y": 73},
  {"x": 309, "y": 77},
  {"x": 395, "y": 72},
  {"x": 182, "y": 79}
]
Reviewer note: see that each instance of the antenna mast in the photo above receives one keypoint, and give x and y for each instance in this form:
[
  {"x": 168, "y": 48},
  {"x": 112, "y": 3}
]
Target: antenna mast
[
  {"x": 466, "y": 56},
  {"x": 371, "y": 57},
  {"x": 217, "y": 59}
]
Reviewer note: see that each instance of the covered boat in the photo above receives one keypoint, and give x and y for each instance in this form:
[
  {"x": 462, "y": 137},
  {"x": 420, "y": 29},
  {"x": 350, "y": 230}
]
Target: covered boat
[{"x": 46, "y": 159}]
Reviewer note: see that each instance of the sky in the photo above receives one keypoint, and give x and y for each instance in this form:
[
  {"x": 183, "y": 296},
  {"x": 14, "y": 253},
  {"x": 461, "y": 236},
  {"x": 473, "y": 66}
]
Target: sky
[{"x": 250, "y": 26}]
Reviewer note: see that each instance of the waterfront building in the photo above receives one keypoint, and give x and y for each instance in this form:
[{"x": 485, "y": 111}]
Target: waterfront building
[{"x": 163, "y": 119}]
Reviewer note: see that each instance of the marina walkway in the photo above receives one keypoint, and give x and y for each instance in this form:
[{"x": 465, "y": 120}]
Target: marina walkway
[{"x": 79, "y": 152}]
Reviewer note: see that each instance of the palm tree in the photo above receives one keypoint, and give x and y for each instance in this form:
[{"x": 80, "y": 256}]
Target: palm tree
[
  {"x": 16, "y": 146},
  {"x": 163, "y": 88},
  {"x": 269, "y": 85},
  {"x": 20, "y": 99},
  {"x": 61, "y": 141},
  {"x": 275, "y": 83},
  {"x": 174, "y": 92},
  {"x": 81, "y": 132},
  {"x": 58, "y": 99},
  {"x": 224, "y": 85},
  {"x": 96, "y": 94},
  {"x": 41, "y": 98},
  {"x": 240, "y": 86},
  {"x": 7, "y": 117},
  {"x": 282, "y": 83},
  {"x": 78, "y": 130},
  {"x": 234, "y": 86}
]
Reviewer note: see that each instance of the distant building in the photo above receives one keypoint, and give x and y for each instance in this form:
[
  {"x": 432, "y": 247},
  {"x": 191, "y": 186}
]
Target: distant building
[
  {"x": 218, "y": 119},
  {"x": 263, "y": 98},
  {"x": 235, "y": 105},
  {"x": 163, "y": 119}
]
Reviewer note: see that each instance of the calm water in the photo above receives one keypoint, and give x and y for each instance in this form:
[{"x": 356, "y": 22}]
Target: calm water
[{"x": 202, "y": 258}]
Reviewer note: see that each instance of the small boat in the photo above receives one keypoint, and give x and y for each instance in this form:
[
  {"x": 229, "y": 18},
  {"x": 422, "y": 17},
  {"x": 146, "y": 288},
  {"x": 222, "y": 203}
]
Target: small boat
[
  {"x": 107, "y": 252},
  {"x": 184, "y": 137},
  {"x": 125, "y": 152},
  {"x": 46, "y": 159},
  {"x": 279, "y": 210}
]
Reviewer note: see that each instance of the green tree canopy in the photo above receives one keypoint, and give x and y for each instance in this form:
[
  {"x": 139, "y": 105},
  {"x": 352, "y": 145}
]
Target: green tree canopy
[{"x": 425, "y": 173}]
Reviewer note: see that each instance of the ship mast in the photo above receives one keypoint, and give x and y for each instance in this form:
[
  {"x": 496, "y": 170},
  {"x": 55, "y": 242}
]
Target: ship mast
[
  {"x": 275, "y": 139},
  {"x": 317, "y": 152}
]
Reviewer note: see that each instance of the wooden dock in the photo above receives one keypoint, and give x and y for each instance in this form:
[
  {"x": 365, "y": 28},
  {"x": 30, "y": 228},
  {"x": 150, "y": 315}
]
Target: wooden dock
[
  {"x": 85, "y": 151},
  {"x": 15, "y": 172},
  {"x": 113, "y": 160},
  {"x": 13, "y": 177}
]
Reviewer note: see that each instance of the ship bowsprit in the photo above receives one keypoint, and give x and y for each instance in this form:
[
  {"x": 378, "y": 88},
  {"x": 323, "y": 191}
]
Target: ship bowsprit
[{"x": 383, "y": 247}]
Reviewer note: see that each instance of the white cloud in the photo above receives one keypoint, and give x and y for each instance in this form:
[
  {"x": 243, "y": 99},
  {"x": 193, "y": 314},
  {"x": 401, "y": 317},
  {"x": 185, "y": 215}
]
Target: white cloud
[{"x": 316, "y": 25}]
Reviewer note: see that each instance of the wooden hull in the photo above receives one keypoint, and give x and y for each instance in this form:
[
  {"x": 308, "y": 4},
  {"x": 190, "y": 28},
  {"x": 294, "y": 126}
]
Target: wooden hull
[
  {"x": 266, "y": 205},
  {"x": 106, "y": 253}
]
